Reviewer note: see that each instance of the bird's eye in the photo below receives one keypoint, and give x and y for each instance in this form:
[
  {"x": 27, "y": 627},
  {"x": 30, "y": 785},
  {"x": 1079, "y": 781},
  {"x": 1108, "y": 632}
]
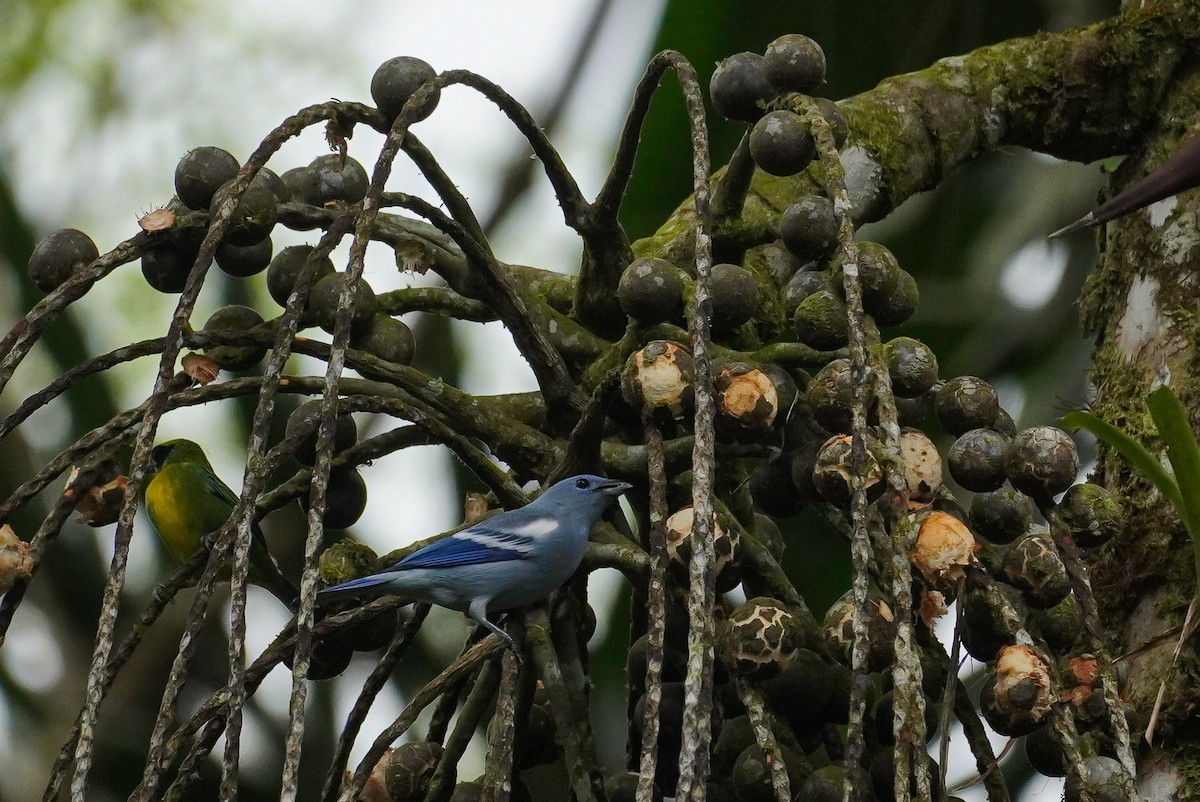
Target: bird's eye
[
  {"x": 582, "y": 483},
  {"x": 158, "y": 455}
]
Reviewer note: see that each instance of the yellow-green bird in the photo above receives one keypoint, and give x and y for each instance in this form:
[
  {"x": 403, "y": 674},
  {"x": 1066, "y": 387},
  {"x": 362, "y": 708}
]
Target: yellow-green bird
[{"x": 187, "y": 503}]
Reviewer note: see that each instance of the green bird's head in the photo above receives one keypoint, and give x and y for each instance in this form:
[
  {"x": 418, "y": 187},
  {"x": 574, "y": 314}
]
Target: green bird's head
[{"x": 177, "y": 452}]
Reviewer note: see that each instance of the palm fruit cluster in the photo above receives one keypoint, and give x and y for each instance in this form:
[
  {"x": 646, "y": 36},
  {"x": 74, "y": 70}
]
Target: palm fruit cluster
[
  {"x": 203, "y": 180},
  {"x": 994, "y": 548},
  {"x": 796, "y": 427}
]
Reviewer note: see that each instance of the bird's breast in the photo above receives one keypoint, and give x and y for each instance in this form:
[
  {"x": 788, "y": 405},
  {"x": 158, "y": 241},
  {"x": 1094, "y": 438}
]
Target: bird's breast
[{"x": 176, "y": 523}]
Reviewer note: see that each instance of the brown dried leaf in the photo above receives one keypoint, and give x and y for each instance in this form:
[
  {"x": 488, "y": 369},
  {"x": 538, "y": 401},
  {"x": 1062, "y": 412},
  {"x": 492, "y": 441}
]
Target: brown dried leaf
[
  {"x": 376, "y": 790},
  {"x": 933, "y": 606},
  {"x": 200, "y": 368},
  {"x": 475, "y": 506},
  {"x": 15, "y": 560},
  {"x": 157, "y": 220},
  {"x": 414, "y": 256},
  {"x": 101, "y": 504}
]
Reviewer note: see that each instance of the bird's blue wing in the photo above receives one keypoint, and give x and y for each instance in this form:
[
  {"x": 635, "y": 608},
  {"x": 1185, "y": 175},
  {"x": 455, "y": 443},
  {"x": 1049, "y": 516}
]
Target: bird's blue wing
[{"x": 482, "y": 543}]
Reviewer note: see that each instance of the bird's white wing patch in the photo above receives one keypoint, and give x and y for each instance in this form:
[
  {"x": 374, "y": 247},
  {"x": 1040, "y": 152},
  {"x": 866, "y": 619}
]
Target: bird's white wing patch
[
  {"x": 538, "y": 527},
  {"x": 500, "y": 541}
]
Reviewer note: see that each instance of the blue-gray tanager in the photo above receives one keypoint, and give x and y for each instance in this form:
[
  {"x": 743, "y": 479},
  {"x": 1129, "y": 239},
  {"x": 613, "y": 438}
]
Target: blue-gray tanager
[{"x": 509, "y": 560}]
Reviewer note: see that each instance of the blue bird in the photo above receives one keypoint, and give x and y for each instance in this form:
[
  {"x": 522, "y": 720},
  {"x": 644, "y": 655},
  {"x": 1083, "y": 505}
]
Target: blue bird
[{"x": 507, "y": 561}]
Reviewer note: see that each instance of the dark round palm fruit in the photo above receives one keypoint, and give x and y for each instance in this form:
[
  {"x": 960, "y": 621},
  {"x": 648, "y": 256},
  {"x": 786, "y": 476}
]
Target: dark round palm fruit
[
  {"x": 623, "y": 788},
  {"x": 330, "y": 657},
  {"x": 736, "y": 735},
  {"x": 1033, "y": 565},
  {"x": 268, "y": 178},
  {"x": 885, "y": 712},
  {"x": 1002, "y": 515},
  {"x": 900, "y": 304},
  {"x": 734, "y": 296},
  {"x": 389, "y": 339},
  {"x": 1004, "y": 424},
  {"x": 834, "y": 470},
  {"x": 809, "y": 227},
  {"x": 371, "y": 633},
  {"x": 781, "y": 144},
  {"x": 882, "y": 771},
  {"x": 291, "y": 184},
  {"x": 768, "y": 534},
  {"x": 1060, "y": 626},
  {"x": 795, "y": 63},
  {"x": 538, "y": 745},
  {"x": 396, "y": 80},
  {"x": 674, "y": 666},
  {"x": 1042, "y": 461},
  {"x": 201, "y": 172},
  {"x": 803, "y": 284},
  {"x": 285, "y": 269},
  {"x": 752, "y": 773},
  {"x": 833, "y": 115},
  {"x": 830, "y": 394},
  {"x": 345, "y": 499},
  {"x": 780, "y": 264},
  {"x": 965, "y": 403},
  {"x": 826, "y": 784},
  {"x": 1090, "y": 514},
  {"x": 1045, "y": 753},
  {"x": 1101, "y": 780},
  {"x": 58, "y": 256},
  {"x": 410, "y": 767},
  {"x": 912, "y": 366},
  {"x": 801, "y": 693},
  {"x": 329, "y": 180},
  {"x": 670, "y": 735},
  {"x": 167, "y": 266},
  {"x": 785, "y": 389},
  {"x": 914, "y": 412},
  {"x": 881, "y": 626},
  {"x": 306, "y": 419},
  {"x": 253, "y": 217},
  {"x": 324, "y": 300},
  {"x": 992, "y": 613},
  {"x": 821, "y": 321},
  {"x": 651, "y": 291},
  {"x": 739, "y": 88},
  {"x": 244, "y": 261},
  {"x": 234, "y": 318},
  {"x": 772, "y": 489},
  {"x": 977, "y": 460},
  {"x": 878, "y": 274}
]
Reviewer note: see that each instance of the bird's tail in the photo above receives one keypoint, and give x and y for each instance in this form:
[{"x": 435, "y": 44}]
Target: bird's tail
[
  {"x": 356, "y": 588},
  {"x": 265, "y": 573}
]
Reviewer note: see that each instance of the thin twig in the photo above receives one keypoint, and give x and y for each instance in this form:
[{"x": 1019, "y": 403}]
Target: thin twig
[
  {"x": 656, "y": 606},
  {"x": 501, "y": 732},
  {"x": 698, "y": 681},
  {"x": 467, "y": 662},
  {"x": 378, "y": 677}
]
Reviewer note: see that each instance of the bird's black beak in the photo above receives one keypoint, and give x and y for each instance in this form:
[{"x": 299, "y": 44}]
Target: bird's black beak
[{"x": 612, "y": 487}]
